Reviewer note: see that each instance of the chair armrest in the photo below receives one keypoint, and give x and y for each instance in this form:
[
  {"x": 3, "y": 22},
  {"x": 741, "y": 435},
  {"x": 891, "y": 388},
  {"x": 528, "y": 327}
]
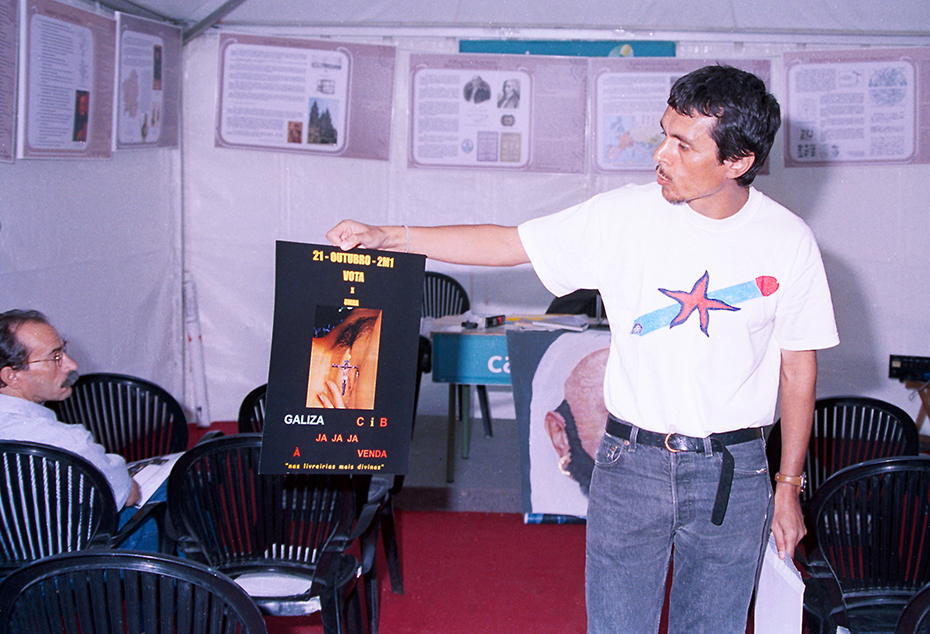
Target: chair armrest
[{"x": 210, "y": 435}]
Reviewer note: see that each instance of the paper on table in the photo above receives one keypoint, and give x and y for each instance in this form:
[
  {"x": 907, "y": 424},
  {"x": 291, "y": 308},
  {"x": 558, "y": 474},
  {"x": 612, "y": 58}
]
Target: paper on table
[
  {"x": 780, "y": 595},
  {"x": 150, "y": 473},
  {"x": 576, "y": 323}
]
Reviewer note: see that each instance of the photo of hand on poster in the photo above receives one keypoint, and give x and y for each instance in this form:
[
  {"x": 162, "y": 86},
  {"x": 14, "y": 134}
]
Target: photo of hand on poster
[{"x": 344, "y": 358}]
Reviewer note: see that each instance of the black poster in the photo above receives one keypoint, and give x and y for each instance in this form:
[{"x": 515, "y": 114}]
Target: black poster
[{"x": 343, "y": 360}]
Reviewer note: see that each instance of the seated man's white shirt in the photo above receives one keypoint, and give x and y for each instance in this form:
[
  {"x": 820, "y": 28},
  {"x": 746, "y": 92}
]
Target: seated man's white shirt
[{"x": 23, "y": 420}]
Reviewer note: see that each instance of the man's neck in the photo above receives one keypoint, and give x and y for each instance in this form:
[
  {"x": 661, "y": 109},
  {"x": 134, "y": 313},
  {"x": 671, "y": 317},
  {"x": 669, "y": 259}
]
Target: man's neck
[
  {"x": 8, "y": 391},
  {"x": 723, "y": 204}
]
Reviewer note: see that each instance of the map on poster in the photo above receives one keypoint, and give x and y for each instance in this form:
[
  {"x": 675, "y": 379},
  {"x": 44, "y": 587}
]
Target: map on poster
[{"x": 342, "y": 374}]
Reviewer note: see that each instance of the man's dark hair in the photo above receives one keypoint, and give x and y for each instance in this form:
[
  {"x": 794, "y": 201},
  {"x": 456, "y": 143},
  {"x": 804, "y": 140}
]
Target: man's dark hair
[
  {"x": 13, "y": 353},
  {"x": 747, "y": 115}
]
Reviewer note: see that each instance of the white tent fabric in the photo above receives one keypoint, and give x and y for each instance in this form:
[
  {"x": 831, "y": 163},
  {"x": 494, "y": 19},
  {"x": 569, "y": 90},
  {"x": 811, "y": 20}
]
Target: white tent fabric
[{"x": 788, "y": 17}]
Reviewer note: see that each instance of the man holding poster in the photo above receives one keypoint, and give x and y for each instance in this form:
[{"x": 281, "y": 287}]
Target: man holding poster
[{"x": 718, "y": 301}]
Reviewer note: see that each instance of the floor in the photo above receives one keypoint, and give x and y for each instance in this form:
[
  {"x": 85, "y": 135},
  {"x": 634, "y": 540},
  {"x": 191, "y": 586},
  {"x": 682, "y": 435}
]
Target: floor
[{"x": 488, "y": 480}]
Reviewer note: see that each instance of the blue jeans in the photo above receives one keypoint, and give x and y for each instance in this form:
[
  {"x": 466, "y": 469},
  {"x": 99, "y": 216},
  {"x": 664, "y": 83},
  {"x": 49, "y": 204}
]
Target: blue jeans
[{"x": 645, "y": 501}]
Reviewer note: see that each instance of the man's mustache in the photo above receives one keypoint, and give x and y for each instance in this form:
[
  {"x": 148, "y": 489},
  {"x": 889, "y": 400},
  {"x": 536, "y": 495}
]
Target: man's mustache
[{"x": 71, "y": 379}]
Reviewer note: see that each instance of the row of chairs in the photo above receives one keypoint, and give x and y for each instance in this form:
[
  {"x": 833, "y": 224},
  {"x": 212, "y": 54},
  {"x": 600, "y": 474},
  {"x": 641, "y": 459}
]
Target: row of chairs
[
  {"x": 867, "y": 504},
  {"x": 288, "y": 540},
  {"x": 220, "y": 511}
]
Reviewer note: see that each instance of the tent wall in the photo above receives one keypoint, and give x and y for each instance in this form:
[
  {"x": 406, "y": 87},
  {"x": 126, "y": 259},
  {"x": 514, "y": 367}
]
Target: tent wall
[
  {"x": 95, "y": 245},
  {"x": 870, "y": 221}
]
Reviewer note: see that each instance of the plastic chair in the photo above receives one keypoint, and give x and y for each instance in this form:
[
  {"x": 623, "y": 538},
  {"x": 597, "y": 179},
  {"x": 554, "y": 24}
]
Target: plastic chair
[
  {"x": 872, "y": 525},
  {"x": 123, "y": 592},
  {"x": 252, "y": 411},
  {"x": 128, "y": 416},
  {"x": 54, "y": 501},
  {"x": 848, "y": 430},
  {"x": 284, "y": 538},
  {"x": 382, "y": 490},
  {"x": 443, "y": 295},
  {"x": 915, "y": 619}
]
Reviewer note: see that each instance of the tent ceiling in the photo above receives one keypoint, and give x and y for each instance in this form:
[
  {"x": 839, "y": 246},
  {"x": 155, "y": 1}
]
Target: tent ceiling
[{"x": 904, "y": 20}]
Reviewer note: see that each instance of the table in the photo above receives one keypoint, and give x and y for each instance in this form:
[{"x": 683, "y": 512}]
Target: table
[{"x": 463, "y": 358}]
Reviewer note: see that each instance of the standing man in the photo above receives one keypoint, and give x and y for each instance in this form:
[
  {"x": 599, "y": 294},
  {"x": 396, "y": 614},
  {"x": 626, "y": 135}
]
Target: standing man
[
  {"x": 718, "y": 302},
  {"x": 35, "y": 368}
]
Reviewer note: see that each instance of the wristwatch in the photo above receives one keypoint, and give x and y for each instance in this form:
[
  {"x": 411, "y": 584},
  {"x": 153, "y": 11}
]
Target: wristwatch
[{"x": 798, "y": 481}]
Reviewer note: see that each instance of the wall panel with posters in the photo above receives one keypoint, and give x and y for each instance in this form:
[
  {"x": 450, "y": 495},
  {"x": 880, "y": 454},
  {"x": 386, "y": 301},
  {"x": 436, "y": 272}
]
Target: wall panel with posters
[
  {"x": 864, "y": 106},
  {"x": 66, "y": 82},
  {"x": 9, "y": 25},
  {"x": 148, "y": 89},
  {"x": 629, "y": 96},
  {"x": 498, "y": 112},
  {"x": 534, "y": 113},
  {"x": 319, "y": 97}
]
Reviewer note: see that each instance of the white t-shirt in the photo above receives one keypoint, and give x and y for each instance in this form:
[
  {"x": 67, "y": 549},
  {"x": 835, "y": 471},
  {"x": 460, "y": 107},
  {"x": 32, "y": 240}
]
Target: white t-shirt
[
  {"x": 23, "y": 420},
  {"x": 699, "y": 309}
]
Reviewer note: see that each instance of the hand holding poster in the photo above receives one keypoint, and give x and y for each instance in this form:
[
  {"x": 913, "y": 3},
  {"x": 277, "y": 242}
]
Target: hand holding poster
[{"x": 343, "y": 360}]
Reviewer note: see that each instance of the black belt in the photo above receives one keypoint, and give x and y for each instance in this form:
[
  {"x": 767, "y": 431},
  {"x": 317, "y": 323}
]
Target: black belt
[{"x": 676, "y": 443}]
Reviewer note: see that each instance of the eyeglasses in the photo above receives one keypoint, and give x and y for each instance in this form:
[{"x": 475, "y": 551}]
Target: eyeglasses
[{"x": 57, "y": 356}]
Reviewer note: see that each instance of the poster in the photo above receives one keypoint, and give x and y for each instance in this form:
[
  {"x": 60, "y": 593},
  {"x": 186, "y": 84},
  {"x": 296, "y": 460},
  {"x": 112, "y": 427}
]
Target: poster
[
  {"x": 148, "y": 86},
  {"x": 868, "y": 106},
  {"x": 9, "y": 23},
  {"x": 498, "y": 112},
  {"x": 318, "y": 97},
  {"x": 343, "y": 362},
  {"x": 558, "y": 394},
  {"x": 66, "y": 64},
  {"x": 629, "y": 97}
]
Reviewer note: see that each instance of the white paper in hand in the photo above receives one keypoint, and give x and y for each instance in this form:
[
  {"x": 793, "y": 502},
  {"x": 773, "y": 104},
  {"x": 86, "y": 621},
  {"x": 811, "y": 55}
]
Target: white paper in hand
[{"x": 780, "y": 595}]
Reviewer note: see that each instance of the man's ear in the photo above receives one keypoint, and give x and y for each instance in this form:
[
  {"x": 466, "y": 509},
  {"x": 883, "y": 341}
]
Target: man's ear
[
  {"x": 9, "y": 376},
  {"x": 741, "y": 165},
  {"x": 555, "y": 426}
]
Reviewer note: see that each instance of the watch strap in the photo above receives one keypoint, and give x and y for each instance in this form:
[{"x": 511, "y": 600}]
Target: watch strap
[{"x": 797, "y": 481}]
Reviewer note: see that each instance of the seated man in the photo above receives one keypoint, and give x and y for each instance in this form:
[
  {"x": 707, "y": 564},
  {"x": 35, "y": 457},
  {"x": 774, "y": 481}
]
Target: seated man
[{"x": 35, "y": 368}]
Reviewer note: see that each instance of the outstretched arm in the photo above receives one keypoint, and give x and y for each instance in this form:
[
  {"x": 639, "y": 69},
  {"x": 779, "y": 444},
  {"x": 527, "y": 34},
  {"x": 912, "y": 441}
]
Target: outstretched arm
[
  {"x": 486, "y": 245},
  {"x": 798, "y": 388}
]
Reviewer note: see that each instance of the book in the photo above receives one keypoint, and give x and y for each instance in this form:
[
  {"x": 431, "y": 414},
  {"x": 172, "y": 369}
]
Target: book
[{"x": 150, "y": 474}]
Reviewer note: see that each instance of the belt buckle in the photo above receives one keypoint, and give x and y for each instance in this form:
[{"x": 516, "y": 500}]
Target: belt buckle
[{"x": 669, "y": 447}]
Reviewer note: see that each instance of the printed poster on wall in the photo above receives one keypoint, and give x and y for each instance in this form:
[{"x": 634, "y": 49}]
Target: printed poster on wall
[
  {"x": 317, "y": 97},
  {"x": 629, "y": 97},
  {"x": 9, "y": 25},
  {"x": 343, "y": 365},
  {"x": 66, "y": 82},
  {"x": 498, "y": 112},
  {"x": 148, "y": 88},
  {"x": 864, "y": 106}
]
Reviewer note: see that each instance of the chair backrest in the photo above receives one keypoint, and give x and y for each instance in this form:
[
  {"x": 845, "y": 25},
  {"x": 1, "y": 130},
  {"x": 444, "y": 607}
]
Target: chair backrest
[
  {"x": 129, "y": 416},
  {"x": 239, "y": 521},
  {"x": 123, "y": 592},
  {"x": 51, "y": 501},
  {"x": 915, "y": 619},
  {"x": 848, "y": 430},
  {"x": 443, "y": 295},
  {"x": 872, "y": 526},
  {"x": 252, "y": 411}
]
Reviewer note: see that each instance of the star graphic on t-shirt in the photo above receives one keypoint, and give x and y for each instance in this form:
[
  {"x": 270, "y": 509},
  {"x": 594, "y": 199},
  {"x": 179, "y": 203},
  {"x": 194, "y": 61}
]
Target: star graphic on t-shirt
[{"x": 696, "y": 300}]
